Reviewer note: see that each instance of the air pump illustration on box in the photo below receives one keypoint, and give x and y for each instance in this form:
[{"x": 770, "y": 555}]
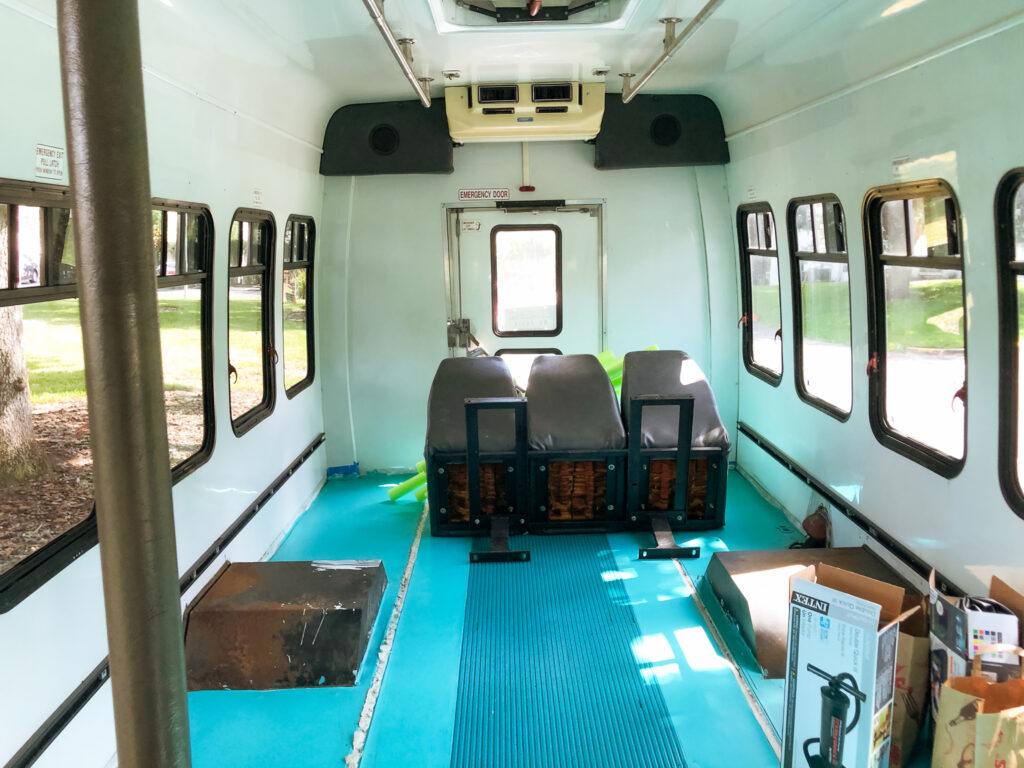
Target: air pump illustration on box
[{"x": 840, "y": 669}]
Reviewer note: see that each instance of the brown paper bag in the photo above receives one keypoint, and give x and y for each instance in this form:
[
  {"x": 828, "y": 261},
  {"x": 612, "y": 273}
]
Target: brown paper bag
[
  {"x": 980, "y": 724},
  {"x": 911, "y": 697}
]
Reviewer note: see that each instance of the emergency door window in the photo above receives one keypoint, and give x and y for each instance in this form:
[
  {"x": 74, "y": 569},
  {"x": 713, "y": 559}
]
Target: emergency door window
[{"x": 526, "y": 280}]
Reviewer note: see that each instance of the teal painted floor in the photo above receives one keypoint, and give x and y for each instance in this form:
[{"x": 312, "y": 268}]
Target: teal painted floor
[{"x": 414, "y": 720}]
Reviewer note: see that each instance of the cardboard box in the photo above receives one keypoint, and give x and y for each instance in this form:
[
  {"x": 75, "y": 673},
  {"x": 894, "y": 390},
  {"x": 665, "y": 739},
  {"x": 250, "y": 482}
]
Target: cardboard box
[
  {"x": 957, "y": 631},
  {"x": 840, "y": 669}
]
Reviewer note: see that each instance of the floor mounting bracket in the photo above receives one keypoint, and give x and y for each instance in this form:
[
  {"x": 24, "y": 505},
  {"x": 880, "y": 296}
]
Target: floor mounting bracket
[{"x": 666, "y": 549}]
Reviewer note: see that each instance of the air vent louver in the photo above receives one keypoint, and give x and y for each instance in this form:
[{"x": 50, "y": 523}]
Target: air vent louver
[
  {"x": 497, "y": 94},
  {"x": 552, "y": 92}
]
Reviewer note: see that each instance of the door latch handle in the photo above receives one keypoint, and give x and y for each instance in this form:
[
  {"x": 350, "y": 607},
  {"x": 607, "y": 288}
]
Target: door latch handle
[{"x": 961, "y": 395}]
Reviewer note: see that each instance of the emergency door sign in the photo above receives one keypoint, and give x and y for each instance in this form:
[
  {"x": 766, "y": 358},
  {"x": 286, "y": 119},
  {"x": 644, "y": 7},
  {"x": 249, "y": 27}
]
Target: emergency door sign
[{"x": 483, "y": 195}]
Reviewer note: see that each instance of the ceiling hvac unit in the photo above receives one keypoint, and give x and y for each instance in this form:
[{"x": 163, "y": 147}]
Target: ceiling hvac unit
[{"x": 524, "y": 112}]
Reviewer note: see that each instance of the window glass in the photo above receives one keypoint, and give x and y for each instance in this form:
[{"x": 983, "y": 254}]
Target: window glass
[
  {"x": 1018, "y": 224},
  {"x": 526, "y": 280},
  {"x": 766, "y": 318},
  {"x": 5, "y": 246},
  {"x": 762, "y": 312},
  {"x": 520, "y": 361},
  {"x": 30, "y": 245},
  {"x": 919, "y": 315},
  {"x": 250, "y": 353},
  {"x": 925, "y": 356},
  {"x": 822, "y": 306},
  {"x": 297, "y": 341},
  {"x": 181, "y": 346},
  {"x": 246, "y": 343}
]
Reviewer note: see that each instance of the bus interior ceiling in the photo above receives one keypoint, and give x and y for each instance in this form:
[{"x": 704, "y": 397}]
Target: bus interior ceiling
[{"x": 833, "y": 98}]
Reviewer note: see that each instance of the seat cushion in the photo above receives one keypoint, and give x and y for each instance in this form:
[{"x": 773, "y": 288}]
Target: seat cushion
[
  {"x": 458, "y": 378},
  {"x": 671, "y": 372},
  {"x": 571, "y": 406}
]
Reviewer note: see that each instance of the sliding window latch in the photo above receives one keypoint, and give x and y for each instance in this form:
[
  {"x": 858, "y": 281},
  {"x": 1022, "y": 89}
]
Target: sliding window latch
[{"x": 459, "y": 334}]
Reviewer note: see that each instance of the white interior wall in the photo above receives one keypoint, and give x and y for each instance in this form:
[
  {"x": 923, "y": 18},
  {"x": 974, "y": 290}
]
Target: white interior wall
[
  {"x": 216, "y": 134},
  {"x": 954, "y": 117},
  {"x": 393, "y": 229}
]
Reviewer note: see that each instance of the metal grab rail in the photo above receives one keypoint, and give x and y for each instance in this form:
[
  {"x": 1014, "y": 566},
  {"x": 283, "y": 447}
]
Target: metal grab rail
[
  {"x": 401, "y": 51},
  {"x": 672, "y": 44}
]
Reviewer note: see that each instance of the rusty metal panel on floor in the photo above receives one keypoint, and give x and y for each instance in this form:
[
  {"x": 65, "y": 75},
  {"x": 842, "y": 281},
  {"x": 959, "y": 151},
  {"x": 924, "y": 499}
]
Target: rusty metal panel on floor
[{"x": 274, "y": 625}]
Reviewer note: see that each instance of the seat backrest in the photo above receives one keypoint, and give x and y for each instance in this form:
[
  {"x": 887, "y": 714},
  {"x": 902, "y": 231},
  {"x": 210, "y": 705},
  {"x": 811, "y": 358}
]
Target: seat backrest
[
  {"x": 571, "y": 406},
  {"x": 458, "y": 378},
  {"x": 671, "y": 372}
]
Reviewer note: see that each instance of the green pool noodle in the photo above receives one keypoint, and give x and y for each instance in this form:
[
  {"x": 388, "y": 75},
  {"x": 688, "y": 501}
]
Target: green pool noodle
[
  {"x": 421, "y": 493},
  {"x": 606, "y": 357},
  {"x": 615, "y": 369},
  {"x": 421, "y": 466},
  {"x": 403, "y": 488}
]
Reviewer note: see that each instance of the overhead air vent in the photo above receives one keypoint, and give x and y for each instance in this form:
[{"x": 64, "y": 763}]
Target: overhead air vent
[
  {"x": 497, "y": 94},
  {"x": 529, "y": 112},
  {"x": 552, "y": 91}
]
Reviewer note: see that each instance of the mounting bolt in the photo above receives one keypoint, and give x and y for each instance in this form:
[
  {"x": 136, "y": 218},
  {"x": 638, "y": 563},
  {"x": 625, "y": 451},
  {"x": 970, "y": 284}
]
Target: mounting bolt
[
  {"x": 476, "y": 521},
  {"x": 406, "y": 44},
  {"x": 522, "y": 556},
  {"x": 644, "y": 466},
  {"x": 643, "y": 554},
  {"x": 511, "y": 469},
  {"x": 611, "y": 507},
  {"x": 440, "y": 470},
  {"x": 543, "y": 468},
  {"x": 714, "y": 466},
  {"x": 632, "y": 518},
  {"x": 511, "y": 509},
  {"x": 679, "y": 517},
  {"x": 522, "y": 521},
  {"x": 442, "y": 511},
  {"x": 711, "y": 506},
  {"x": 611, "y": 467},
  {"x": 542, "y": 508},
  {"x": 670, "y": 30}
]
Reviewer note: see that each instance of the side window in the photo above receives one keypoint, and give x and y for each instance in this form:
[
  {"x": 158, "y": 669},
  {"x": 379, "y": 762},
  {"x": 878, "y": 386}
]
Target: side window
[
  {"x": 182, "y": 254},
  {"x": 45, "y": 458},
  {"x": 759, "y": 283},
  {"x": 251, "y": 355},
  {"x": 917, "y": 364},
  {"x": 526, "y": 281},
  {"x": 297, "y": 304},
  {"x": 821, "y": 303},
  {"x": 1010, "y": 248}
]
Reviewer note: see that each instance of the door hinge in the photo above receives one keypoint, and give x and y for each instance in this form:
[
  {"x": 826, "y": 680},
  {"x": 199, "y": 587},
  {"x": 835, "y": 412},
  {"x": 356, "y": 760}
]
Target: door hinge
[{"x": 459, "y": 334}]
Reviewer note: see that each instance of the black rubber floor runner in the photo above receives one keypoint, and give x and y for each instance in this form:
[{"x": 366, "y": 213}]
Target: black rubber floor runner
[{"x": 548, "y": 675}]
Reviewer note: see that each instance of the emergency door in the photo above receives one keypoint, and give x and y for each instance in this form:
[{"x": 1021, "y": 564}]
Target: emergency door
[{"x": 525, "y": 282}]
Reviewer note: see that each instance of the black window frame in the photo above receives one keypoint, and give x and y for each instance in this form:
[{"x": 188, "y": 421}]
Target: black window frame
[
  {"x": 746, "y": 291},
  {"x": 289, "y": 264},
  {"x": 269, "y": 357},
  {"x": 494, "y": 279},
  {"x": 835, "y": 236},
  {"x": 928, "y": 457},
  {"x": 203, "y": 277},
  {"x": 33, "y": 571},
  {"x": 1007, "y": 271}
]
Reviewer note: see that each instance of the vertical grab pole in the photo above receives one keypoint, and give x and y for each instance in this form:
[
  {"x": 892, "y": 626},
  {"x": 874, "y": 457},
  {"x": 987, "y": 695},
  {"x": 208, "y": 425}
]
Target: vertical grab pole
[{"x": 104, "y": 117}]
